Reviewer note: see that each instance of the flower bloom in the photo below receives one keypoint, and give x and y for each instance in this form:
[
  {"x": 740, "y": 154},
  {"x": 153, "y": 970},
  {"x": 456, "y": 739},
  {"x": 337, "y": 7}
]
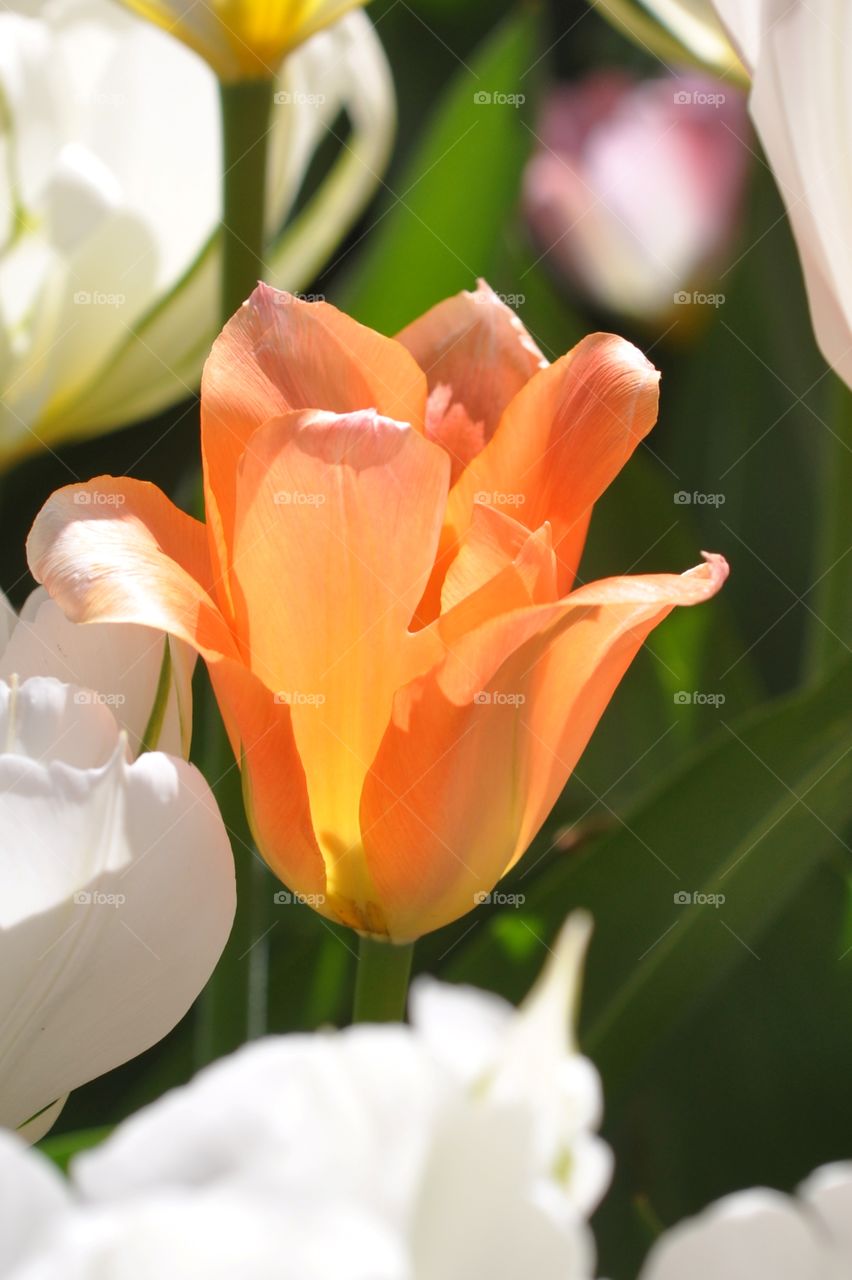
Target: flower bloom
[
  {"x": 636, "y": 187},
  {"x": 374, "y": 1153},
  {"x": 106, "y": 936},
  {"x": 763, "y": 1235},
  {"x": 384, "y": 588},
  {"x": 109, "y": 248},
  {"x": 243, "y": 39}
]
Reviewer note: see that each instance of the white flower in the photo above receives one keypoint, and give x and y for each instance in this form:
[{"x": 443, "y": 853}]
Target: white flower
[
  {"x": 118, "y": 896},
  {"x": 763, "y": 1235},
  {"x": 694, "y": 24},
  {"x": 441, "y": 1151},
  {"x": 110, "y": 202},
  {"x": 143, "y": 676}
]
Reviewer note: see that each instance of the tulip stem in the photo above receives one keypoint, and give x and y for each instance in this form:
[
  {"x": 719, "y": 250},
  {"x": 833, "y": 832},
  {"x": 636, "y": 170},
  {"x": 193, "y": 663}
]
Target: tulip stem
[
  {"x": 245, "y": 124},
  {"x": 381, "y": 981},
  {"x": 830, "y": 632}
]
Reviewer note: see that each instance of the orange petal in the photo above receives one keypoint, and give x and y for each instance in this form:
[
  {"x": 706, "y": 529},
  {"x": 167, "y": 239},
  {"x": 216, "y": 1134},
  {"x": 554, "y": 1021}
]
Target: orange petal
[
  {"x": 477, "y": 346},
  {"x": 337, "y": 521},
  {"x": 279, "y": 353},
  {"x": 119, "y": 551},
  {"x": 560, "y": 443},
  {"x": 116, "y": 550},
  {"x": 524, "y": 693},
  {"x": 492, "y": 544},
  {"x": 273, "y": 781}
]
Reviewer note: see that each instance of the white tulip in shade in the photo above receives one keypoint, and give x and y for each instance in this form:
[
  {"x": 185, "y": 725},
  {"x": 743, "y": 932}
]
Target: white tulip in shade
[
  {"x": 110, "y": 202},
  {"x": 119, "y": 666},
  {"x": 118, "y": 895},
  {"x": 763, "y": 1235},
  {"x": 377, "y": 1153}
]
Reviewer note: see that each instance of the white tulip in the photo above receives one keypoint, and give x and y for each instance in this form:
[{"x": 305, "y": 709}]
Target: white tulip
[
  {"x": 143, "y": 676},
  {"x": 118, "y": 896},
  {"x": 763, "y": 1235},
  {"x": 110, "y": 202},
  {"x": 439, "y": 1151}
]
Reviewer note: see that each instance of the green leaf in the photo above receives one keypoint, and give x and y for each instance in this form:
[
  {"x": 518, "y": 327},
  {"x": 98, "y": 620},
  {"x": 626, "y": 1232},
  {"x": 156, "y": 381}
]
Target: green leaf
[
  {"x": 443, "y": 225},
  {"x": 747, "y": 817}
]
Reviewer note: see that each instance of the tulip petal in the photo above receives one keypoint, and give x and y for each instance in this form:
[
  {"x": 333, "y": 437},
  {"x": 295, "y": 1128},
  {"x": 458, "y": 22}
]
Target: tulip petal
[
  {"x": 33, "y": 1196},
  {"x": 476, "y": 345},
  {"x": 120, "y": 664},
  {"x": 493, "y": 543},
  {"x": 279, "y": 353},
  {"x": 523, "y": 691},
  {"x": 119, "y": 551},
  {"x": 106, "y": 938},
  {"x": 144, "y": 561},
  {"x": 559, "y": 444},
  {"x": 354, "y": 503}
]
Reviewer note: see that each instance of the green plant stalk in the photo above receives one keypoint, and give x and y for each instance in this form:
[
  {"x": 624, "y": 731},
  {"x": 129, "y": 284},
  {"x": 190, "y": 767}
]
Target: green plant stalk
[
  {"x": 245, "y": 123},
  {"x": 233, "y": 1006},
  {"x": 830, "y": 626},
  {"x": 381, "y": 980}
]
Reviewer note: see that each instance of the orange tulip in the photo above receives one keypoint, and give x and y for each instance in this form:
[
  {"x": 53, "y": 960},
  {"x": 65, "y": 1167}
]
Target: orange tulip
[{"x": 383, "y": 590}]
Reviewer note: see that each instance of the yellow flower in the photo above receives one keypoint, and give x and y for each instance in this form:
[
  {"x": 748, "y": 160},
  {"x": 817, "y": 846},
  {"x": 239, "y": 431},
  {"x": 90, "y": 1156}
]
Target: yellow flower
[{"x": 243, "y": 39}]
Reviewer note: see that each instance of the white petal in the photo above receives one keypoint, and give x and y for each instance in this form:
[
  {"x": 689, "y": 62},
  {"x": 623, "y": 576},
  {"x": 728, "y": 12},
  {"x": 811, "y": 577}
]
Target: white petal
[
  {"x": 120, "y": 664},
  {"x": 829, "y": 1192},
  {"x": 33, "y": 1197},
  {"x": 88, "y": 984},
  {"x": 755, "y": 1235}
]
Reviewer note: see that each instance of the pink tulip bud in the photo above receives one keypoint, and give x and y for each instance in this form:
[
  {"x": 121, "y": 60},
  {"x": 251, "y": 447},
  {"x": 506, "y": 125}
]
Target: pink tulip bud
[{"x": 636, "y": 186}]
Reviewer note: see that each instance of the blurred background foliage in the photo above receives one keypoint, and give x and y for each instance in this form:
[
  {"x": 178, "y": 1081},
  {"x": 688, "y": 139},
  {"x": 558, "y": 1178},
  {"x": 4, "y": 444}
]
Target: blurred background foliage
[{"x": 724, "y": 1035}]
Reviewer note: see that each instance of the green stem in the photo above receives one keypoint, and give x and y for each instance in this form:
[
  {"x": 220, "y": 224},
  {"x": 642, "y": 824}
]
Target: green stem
[
  {"x": 381, "y": 982},
  {"x": 233, "y": 1006},
  {"x": 830, "y": 631},
  {"x": 245, "y": 124}
]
